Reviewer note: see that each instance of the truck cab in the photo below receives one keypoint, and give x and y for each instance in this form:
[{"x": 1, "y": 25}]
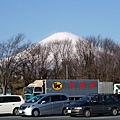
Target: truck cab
[
  {"x": 116, "y": 89},
  {"x": 33, "y": 89}
]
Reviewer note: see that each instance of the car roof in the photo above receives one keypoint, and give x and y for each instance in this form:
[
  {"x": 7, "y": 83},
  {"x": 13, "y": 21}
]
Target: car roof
[
  {"x": 9, "y": 95},
  {"x": 101, "y": 94},
  {"x": 53, "y": 94}
]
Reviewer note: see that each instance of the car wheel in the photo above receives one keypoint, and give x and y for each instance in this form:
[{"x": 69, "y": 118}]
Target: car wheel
[
  {"x": 64, "y": 112},
  {"x": 87, "y": 113},
  {"x": 15, "y": 111},
  {"x": 114, "y": 111},
  {"x": 35, "y": 113}
]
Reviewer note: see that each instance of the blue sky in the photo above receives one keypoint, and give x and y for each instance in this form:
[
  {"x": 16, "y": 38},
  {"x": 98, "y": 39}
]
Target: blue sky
[{"x": 38, "y": 19}]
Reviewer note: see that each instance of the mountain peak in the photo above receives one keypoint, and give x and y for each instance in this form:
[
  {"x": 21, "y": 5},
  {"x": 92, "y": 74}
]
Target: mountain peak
[{"x": 61, "y": 36}]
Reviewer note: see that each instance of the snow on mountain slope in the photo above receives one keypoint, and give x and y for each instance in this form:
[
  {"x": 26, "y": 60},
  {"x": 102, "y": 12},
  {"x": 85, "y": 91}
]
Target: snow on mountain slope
[{"x": 61, "y": 36}]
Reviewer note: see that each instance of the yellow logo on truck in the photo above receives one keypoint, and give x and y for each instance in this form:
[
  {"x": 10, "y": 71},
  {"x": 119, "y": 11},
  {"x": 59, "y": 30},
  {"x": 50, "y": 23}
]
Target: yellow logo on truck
[{"x": 57, "y": 85}]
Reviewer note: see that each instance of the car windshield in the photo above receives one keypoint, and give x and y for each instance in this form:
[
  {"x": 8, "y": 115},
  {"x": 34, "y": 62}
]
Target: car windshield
[
  {"x": 34, "y": 99},
  {"x": 86, "y": 98}
]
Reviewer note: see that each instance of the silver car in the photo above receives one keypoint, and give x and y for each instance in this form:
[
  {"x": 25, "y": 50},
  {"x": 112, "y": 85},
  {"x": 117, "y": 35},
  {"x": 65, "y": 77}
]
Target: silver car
[{"x": 45, "y": 104}]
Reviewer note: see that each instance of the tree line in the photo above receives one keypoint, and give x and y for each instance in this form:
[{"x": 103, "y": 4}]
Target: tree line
[{"x": 93, "y": 58}]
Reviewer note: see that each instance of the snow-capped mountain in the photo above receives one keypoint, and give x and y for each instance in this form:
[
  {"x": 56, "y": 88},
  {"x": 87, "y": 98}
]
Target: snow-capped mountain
[{"x": 61, "y": 36}]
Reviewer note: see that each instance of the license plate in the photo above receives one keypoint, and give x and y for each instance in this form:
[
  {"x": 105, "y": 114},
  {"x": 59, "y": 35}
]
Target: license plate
[{"x": 69, "y": 111}]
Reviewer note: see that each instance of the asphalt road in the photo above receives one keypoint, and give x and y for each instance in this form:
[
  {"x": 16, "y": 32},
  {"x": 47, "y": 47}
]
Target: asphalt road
[{"x": 107, "y": 117}]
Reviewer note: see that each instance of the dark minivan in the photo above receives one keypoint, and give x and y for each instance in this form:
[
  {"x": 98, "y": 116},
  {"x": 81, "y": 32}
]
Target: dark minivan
[{"x": 95, "y": 104}]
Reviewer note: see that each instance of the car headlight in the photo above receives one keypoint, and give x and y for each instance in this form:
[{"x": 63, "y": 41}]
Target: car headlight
[
  {"x": 78, "y": 108},
  {"x": 30, "y": 106},
  {"x": 67, "y": 108}
]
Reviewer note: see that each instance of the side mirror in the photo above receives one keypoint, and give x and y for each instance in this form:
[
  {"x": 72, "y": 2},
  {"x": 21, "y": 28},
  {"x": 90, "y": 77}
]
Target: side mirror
[
  {"x": 42, "y": 102},
  {"x": 88, "y": 100}
]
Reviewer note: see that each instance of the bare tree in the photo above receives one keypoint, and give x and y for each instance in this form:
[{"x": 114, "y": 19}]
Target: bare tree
[
  {"x": 9, "y": 63},
  {"x": 85, "y": 56},
  {"x": 35, "y": 63},
  {"x": 61, "y": 56},
  {"x": 106, "y": 59},
  {"x": 109, "y": 59}
]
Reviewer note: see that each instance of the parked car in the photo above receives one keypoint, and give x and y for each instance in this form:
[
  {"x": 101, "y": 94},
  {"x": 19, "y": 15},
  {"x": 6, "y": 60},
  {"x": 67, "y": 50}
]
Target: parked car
[
  {"x": 95, "y": 104},
  {"x": 45, "y": 104},
  {"x": 9, "y": 104}
]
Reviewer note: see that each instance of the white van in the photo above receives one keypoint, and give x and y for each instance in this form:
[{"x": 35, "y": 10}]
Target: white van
[{"x": 9, "y": 104}]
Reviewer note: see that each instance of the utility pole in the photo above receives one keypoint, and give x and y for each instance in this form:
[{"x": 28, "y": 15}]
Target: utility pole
[{"x": 66, "y": 72}]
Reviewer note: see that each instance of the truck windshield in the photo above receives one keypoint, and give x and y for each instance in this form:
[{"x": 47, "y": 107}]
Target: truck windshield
[
  {"x": 38, "y": 89},
  {"x": 118, "y": 86},
  {"x": 34, "y": 99},
  {"x": 28, "y": 90}
]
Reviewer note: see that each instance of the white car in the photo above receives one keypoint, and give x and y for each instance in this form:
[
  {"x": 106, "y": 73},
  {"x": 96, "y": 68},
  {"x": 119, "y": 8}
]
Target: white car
[{"x": 9, "y": 104}]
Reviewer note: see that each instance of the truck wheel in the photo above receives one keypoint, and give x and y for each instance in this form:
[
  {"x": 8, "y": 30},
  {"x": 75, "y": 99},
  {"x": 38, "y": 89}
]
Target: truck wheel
[
  {"x": 64, "y": 112},
  {"x": 87, "y": 113},
  {"x": 15, "y": 111},
  {"x": 35, "y": 113},
  {"x": 114, "y": 111}
]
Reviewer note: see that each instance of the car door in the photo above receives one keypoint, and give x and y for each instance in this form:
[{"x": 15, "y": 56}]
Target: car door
[
  {"x": 97, "y": 104},
  {"x": 109, "y": 103},
  {"x": 1, "y": 105},
  {"x": 58, "y": 104},
  {"x": 45, "y": 105},
  {"x": 6, "y": 104}
]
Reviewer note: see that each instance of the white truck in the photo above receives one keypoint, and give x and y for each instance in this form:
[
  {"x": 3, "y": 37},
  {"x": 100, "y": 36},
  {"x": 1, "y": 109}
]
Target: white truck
[
  {"x": 74, "y": 88},
  {"x": 116, "y": 88}
]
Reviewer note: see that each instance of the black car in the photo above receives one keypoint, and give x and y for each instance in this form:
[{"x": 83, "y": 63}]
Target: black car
[{"x": 95, "y": 104}]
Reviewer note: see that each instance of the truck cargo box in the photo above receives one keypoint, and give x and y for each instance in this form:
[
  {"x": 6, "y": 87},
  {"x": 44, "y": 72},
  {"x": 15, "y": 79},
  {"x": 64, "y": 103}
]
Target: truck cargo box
[
  {"x": 74, "y": 88},
  {"x": 105, "y": 87}
]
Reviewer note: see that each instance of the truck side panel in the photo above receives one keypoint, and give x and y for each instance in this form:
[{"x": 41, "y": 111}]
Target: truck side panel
[
  {"x": 74, "y": 88},
  {"x": 105, "y": 87}
]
